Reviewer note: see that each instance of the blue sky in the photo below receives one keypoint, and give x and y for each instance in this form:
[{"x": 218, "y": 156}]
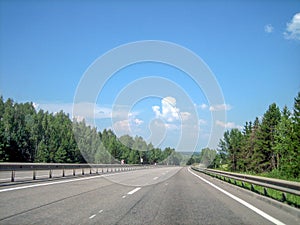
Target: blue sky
[{"x": 252, "y": 48}]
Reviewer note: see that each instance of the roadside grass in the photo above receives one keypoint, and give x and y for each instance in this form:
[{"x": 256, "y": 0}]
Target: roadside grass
[
  {"x": 272, "y": 174},
  {"x": 287, "y": 198}
]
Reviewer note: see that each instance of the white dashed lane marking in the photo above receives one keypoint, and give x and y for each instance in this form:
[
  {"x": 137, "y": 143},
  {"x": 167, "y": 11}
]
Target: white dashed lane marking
[
  {"x": 155, "y": 178},
  {"x": 134, "y": 190},
  {"x": 92, "y": 216}
]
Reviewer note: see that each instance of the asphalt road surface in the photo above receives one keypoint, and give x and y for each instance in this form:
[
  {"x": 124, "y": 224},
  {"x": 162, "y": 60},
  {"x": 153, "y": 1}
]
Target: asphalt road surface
[{"x": 168, "y": 195}]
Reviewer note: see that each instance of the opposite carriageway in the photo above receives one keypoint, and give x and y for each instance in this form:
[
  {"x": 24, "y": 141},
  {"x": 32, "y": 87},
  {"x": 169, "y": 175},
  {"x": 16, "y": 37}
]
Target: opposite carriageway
[{"x": 35, "y": 168}]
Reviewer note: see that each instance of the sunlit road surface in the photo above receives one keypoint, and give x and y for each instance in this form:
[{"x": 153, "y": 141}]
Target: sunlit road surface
[{"x": 168, "y": 195}]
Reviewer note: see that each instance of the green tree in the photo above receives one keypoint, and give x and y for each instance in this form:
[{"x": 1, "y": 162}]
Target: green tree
[
  {"x": 266, "y": 139},
  {"x": 295, "y": 167},
  {"x": 282, "y": 141},
  {"x": 207, "y": 156},
  {"x": 254, "y": 150},
  {"x": 231, "y": 145}
]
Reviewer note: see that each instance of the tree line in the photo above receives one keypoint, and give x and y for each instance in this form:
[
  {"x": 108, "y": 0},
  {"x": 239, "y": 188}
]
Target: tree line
[
  {"x": 206, "y": 157},
  {"x": 28, "y": 135},
  {"x": 267, "y": 145}
]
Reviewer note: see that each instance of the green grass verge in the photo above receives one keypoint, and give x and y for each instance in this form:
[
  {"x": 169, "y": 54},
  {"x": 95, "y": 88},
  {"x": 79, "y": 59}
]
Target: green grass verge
[{"x": 272, "y": 174}]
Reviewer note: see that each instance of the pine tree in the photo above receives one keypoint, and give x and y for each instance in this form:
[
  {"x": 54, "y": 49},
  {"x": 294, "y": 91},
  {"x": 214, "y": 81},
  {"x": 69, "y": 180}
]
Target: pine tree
[
  {"x": 257, "y": 155},
  {"x": 266, "y": 138},
  {"x": 282, "y": 141},
  {"x": 295, "y": 167},
  {"x": 246, "y": 148}
]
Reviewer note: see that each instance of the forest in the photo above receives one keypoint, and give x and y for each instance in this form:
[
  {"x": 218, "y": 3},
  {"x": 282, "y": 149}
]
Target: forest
[
  {"x": 28, "y": 135},
  {"x": 267, "y": 145},
  {"x": 270, "y": 144}
]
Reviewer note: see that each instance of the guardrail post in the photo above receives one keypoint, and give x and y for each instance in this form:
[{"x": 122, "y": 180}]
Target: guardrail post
[
  {"x": 74, "y": 172},
  {"x": 33, "y": 175},
  {"x": 252, "y": 187},
  {"x": 90, "y": 170},
  {"x": 283, "y": 197},
  {"x": 82, "y": 172},
  {"x": 97, "y": 171},
  {"x": 12, "y": 176},
  {"x": 63, "y": 173},
  {"x": 265, "y": 192},
  {"x": 50, "y": 173}
]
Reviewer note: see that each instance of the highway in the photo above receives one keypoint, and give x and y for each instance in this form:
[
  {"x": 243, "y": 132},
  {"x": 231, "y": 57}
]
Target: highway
[{"x": 164, "y": 195}]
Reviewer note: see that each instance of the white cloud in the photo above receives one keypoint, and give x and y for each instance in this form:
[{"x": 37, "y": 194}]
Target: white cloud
[
  {"x": 161, "y": 125},
  {"x": 202, "y": 122},
  {"x": 36, "y": 106},
  {"x": 185, "y": 115},
  {"x": 171, "y": 126},
  {"x": 220, "y": 107},
  {"x": 122, "y": 126},
  {"x": 156, "y": 110},
  {"x": 228, "y": 125},
  {"x": 138, "y": 122},
  {"x": 293, "y": 28},
  {"x": 168, "y": 110},
  {"x": 126, "y": 126},
  {"x": 269, "y": 28},
  {"x": 169, "y": 113},
  {"x": 203, "y": 106}
]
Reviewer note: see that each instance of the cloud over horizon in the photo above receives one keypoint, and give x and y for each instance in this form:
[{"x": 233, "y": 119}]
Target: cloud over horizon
[
  {"x": 228, "y": 125},
  {"x": 293, "y": 28},
  {"x": 220, "y": 107}
]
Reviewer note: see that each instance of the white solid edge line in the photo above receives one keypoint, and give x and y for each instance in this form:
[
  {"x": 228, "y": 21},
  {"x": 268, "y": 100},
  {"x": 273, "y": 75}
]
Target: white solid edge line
[
  {"x": 59, "y": 182},
  {"x": 248, "y": 205},
  {"x": 134, "y": 190}
]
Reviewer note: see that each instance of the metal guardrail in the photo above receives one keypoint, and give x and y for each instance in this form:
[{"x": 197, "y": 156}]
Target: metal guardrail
[
  {"x": 276, "y": 184},
  {"x": 98, "y": 168}
]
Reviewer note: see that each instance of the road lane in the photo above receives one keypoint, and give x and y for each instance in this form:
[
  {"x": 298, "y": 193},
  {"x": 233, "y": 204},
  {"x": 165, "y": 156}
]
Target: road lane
[
  {"x": 175, "y": 197},
  {"x": 30, "y": 202}
]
